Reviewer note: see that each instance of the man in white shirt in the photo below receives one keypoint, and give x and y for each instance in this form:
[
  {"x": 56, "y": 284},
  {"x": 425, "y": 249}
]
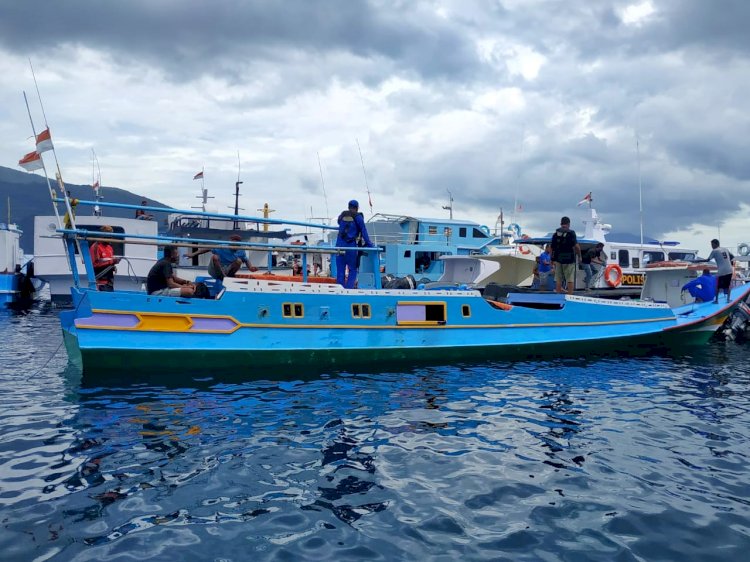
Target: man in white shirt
[{"x": 723, "y": 259}]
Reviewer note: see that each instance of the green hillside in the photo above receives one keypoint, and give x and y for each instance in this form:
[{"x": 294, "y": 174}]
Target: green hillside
[{"x": 29, "y": 196}]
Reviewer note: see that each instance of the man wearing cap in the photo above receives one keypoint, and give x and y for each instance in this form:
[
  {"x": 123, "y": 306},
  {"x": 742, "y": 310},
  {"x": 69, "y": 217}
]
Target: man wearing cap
[
  {"x": 225, "y": 261},
  {"x": 104, "y": 261},
  {"x": 351, "y": 230}
]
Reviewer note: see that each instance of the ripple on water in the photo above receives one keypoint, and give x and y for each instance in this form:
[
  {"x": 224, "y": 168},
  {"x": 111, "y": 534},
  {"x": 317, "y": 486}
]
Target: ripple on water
[{"x": 612, "y": 458}]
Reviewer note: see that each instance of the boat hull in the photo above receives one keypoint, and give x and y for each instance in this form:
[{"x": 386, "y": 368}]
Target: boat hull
[
  {"x": 260, "y": 333},
  {"x": 9, "y": 285}
]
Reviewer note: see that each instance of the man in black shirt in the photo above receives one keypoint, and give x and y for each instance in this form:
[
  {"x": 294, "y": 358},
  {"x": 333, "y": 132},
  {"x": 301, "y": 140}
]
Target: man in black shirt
[
  {"x": 162, "y": 281},
  {"x": 593, "y": 260},
  {"x": 565, "y": 249}
]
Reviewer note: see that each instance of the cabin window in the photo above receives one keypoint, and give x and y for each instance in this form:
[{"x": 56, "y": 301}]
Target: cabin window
[
  {"x": 465, "y": 310},
  {"x": 432, "y": 230},
  {"x": 407, "y": 253},
  {"x": 447, "y": 231},
  {"x": 651, "y": 257},
  {"x": 361, "y": 311},
  {"x": 476, "y": 233},
  {"x": 462, "y": 232},
  {"x": 636, "y": 263},
  {"x": 613, "y": 255},
  {"x": 420, "y": 313},
  {"x": 623, "y": 258},
  {"x": 117, "y": 247},
  {"x": 293, "y": 310}
]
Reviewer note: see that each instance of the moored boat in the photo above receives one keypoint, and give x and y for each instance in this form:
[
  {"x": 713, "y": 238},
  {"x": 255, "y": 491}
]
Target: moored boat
[
  {"x": 11, "y": 258},
  {"x": 255, "y": 323}
]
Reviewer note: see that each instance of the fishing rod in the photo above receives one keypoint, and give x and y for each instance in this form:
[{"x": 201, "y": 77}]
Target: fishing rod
[{"x": 367, "y": 187}]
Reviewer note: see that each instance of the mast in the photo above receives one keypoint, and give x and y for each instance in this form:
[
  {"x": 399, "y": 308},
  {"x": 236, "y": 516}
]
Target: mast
[
  {"x": 449, "y": 206},
  {"x": 237, "y": 193}
]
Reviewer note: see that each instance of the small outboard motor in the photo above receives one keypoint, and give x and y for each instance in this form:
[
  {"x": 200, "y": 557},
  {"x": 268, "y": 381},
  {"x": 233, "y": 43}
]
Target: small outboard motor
[{"x": 737, "y": 324}]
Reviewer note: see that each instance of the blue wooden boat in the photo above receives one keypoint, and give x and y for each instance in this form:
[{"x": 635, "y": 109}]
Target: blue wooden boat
[
  {"x": 11, "y": 261},
  {"x": 416, "y": 245},
  {"x": 254, "y": 325}
]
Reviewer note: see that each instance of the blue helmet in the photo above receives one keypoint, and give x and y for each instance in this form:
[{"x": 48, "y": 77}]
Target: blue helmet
[{"x": 354, "y": 203}]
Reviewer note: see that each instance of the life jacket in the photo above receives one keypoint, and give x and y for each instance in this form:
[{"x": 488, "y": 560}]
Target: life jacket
[
  {"x": 103, "y": 257},
  {"x": 562, "y": 246},
  {"x": 348, "y": 229},
  {"x": 102, "y": 254}
]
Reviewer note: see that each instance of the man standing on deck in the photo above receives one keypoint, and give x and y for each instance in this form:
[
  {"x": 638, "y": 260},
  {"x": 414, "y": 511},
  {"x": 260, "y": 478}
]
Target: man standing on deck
[
  {"x": 545, "y": 268},
  {"x": 351, "y": 228},
  {"x": 724, "y": 260},
  {"x": 565, "y": 250}
]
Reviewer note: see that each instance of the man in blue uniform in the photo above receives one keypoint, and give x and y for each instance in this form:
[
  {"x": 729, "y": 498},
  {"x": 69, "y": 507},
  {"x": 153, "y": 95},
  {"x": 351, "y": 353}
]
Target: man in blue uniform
[
  {"x": 703, "y": 288},
  {"x": 351, "y": 229}
]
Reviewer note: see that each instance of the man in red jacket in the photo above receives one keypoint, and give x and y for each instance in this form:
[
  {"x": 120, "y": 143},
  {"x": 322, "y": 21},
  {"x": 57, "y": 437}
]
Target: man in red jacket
[{"x": 104, "y": 260}]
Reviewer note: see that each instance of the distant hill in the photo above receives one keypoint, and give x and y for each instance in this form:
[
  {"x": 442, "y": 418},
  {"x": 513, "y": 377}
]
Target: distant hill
[{"x": 29, "y": 197}]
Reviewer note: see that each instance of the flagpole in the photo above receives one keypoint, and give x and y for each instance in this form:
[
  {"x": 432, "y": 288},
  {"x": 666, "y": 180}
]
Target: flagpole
[
  {"x": 46, "y": 176},
  {"x": 60, "y": 182}
]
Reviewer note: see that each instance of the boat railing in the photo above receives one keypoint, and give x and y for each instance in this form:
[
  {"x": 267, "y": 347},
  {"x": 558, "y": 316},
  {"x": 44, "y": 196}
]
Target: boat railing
[{"x": 84, "y": 236}]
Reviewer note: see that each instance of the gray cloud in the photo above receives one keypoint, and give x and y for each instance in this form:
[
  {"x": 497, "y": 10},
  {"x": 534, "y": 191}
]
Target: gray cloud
[
  {"x": 678, "y": 81},
  {"x": 188, "y": 38}
]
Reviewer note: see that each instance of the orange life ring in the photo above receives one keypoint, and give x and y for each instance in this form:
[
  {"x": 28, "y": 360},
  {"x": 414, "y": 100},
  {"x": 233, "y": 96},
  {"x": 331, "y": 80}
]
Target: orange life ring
[
  {"x": 524, "y": 250},
  {"x": 617, "y": 279}
]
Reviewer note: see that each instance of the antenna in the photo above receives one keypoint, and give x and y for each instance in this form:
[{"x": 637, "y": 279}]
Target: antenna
[
  {"x": 640, "y": 187},
  {"x": 96, "y": 182},
  {"x": 367, "y": 187},
  {"x": 449, "y": 207},
  {"x": 204, "y": 197}
]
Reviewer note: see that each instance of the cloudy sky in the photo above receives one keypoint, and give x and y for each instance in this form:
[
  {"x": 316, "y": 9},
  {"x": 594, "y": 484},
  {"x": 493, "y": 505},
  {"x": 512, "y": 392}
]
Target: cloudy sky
[{"x": 539, "y": 101}]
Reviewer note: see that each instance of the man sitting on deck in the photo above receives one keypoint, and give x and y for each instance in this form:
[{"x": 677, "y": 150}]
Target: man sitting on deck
[
  {"x": 162, "y": 281},
  {"x": 703, "y": 288},
  {"x": 225, "y": 261}
]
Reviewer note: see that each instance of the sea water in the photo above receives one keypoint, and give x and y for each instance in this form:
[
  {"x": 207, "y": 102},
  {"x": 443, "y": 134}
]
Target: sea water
[{"x": 589, "y": 459}]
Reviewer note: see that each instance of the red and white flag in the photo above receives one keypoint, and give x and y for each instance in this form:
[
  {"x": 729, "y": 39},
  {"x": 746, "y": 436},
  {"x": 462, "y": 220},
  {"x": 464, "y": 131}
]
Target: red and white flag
[
  {"x": 586, "y": 199},
  {"x": 32, "y": 161},
  {"x": 96, "y": 184},
  {"x": 44, "y": 141},
  {"x": 198, "y": 176}
]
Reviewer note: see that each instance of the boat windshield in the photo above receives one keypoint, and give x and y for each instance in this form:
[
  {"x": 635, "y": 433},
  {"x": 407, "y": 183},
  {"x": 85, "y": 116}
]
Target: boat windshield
[
  {"x": 682, "y": 256},
  {"x": 651, "y": 257}
]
